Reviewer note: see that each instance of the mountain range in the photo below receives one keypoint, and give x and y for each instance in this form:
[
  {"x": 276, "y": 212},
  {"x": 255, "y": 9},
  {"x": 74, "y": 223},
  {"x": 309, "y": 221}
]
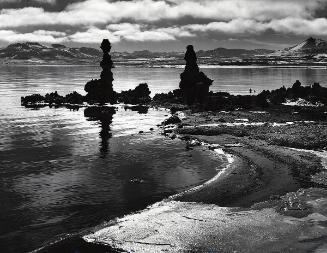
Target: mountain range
[{"x": 309, "y": 51}]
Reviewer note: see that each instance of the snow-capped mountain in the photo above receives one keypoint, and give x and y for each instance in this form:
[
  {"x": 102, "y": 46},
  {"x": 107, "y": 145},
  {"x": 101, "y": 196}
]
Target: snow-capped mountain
[{"x": 310, "y": 46}]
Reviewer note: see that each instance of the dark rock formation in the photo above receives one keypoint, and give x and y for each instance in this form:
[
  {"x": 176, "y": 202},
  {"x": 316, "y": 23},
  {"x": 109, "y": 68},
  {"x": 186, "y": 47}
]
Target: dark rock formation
[
  {"x": 140, "y": 95},
  {"x": 172, "y": 120},
  {"x": 52, "y": 99},
  {"x": 313, "y": 93},
  {"x": 32, "y": 99},
  {"x": 174, "y": 96},
  {"x": 74, "y": 98},
  {"x": 101, "y": 90},
  {"x": 194, "y": 84}
]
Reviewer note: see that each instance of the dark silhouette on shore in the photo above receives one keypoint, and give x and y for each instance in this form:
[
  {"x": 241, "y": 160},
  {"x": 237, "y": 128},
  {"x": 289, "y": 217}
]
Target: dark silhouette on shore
[
  {"x": 139, "y": 95},
  {"x": 101, "y": 90},
  {"x": 194, "y": 84}
]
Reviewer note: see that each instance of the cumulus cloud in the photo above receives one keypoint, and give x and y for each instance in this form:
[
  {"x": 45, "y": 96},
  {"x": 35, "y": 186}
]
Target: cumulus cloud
[
  {"x": 143, "y": 20},
  {"x": 133, "y": 32},
  {"x": 45, "y": 1},
  {"x": 154, "y": 10},
  {"x": 93, "y": 35},
  {"x": 138, "y": 32},
  {"x": 92, "y": 12},
  {"x": 36, "y": 1},
  {"x": 129, "y": 32},
  {"x": 295, "y": 26},
  {"x": 236, "y": 26},
  {"x": 298, "y": 26},
  {"x": 39, "y": 36},
  {"x": 114, "y": 32}
]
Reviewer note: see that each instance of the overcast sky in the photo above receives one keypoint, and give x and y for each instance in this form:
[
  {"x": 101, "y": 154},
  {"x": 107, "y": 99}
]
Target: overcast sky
[{"x": 161, "y": 25}]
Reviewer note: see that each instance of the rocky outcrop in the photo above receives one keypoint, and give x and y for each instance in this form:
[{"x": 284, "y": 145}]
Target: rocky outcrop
[
  {"x": 312, "y": 93},
  {"x": 174, "y": 119},
  {"x": 101, "y": 90},
  {"x": 139, "y": 95},
  {"x": 53, "y": 98},
  {"x": 194, "y": 84}
]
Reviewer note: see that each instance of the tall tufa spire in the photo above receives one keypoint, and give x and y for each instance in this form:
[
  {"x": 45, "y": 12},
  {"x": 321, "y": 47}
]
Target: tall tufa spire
[
  {"x": 101, "y": 90},
  {"x": 194, "y": 84}
]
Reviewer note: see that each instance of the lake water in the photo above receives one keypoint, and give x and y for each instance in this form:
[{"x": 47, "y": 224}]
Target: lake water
[
  {"x": 237, "y": 80},
  {"x": 62, "y": 172}
]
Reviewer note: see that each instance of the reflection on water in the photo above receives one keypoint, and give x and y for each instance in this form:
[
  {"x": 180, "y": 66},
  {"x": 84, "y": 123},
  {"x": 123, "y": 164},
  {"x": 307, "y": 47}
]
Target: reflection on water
[
  {"x": 103, "y": 115},
  {"x": 105, "y": 135}
]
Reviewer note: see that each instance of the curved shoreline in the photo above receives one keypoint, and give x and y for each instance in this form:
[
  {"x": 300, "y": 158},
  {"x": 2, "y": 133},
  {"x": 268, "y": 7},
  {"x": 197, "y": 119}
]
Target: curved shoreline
[
  {"x": 262, "y": 172},
  {"x": 231, "y": 164},
  {"x": 184, "y": 223},
  {"x": 257, "y": 182}
]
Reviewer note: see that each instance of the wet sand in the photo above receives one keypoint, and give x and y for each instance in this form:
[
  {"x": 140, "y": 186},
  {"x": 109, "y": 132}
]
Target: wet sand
[{"x": 259, "y": 173}]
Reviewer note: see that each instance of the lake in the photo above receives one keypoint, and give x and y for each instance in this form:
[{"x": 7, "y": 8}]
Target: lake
[{"x": 63, "y": 173}]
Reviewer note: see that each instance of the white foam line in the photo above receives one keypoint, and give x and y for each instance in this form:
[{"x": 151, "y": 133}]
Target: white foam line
[
  {"x": 220, "y": 151},
  {"x": 230, "y": 124},
  {"x": 258, "y": 112}
]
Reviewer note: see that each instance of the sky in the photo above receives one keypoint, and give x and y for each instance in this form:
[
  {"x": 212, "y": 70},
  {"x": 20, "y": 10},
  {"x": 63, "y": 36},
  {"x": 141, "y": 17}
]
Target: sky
[{"x": 163, "y": 25}]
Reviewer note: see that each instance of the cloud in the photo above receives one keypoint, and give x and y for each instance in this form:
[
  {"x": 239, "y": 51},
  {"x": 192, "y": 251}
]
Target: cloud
[
  {"x": 92, "y": 12},
  {"x": 114, "y": 32},
  {"x": 298, "y": 26},
  {"x": 236, "y": 26},
  {"x": 129, "y": 32},
  {"x": 93, "y": 35},
  {"x": 45, "y": 1},
  {"x": 151, "y": 10},
  {"x": 25, "y": 17},
  {"x": 295, "y": 26},
  {"x": 52, "y": 2},
  {"x": 144, "y": 32},
  {"x": 141, "y": 32},
  {"x": 134, "y": 32},
  {"x": 90, "y": 21},
  {"x": 36, "y": 36}
]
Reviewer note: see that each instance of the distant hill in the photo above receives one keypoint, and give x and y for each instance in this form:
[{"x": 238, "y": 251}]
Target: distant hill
[
  {"x": 311, "y": 51},
  {"x": 227, "y": 53},
  {"x": 33, "y": 51},
  {"x": 36, "y": 52},
  {"x": 310, "y": 46}
]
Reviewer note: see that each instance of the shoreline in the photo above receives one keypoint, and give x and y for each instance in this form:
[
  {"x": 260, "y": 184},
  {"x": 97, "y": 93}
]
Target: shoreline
[{"x": 259, "y": 179}]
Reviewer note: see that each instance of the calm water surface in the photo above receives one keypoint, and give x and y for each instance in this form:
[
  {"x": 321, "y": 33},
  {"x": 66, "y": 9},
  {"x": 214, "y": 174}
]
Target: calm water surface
[{"x": 62, "y": 172}]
